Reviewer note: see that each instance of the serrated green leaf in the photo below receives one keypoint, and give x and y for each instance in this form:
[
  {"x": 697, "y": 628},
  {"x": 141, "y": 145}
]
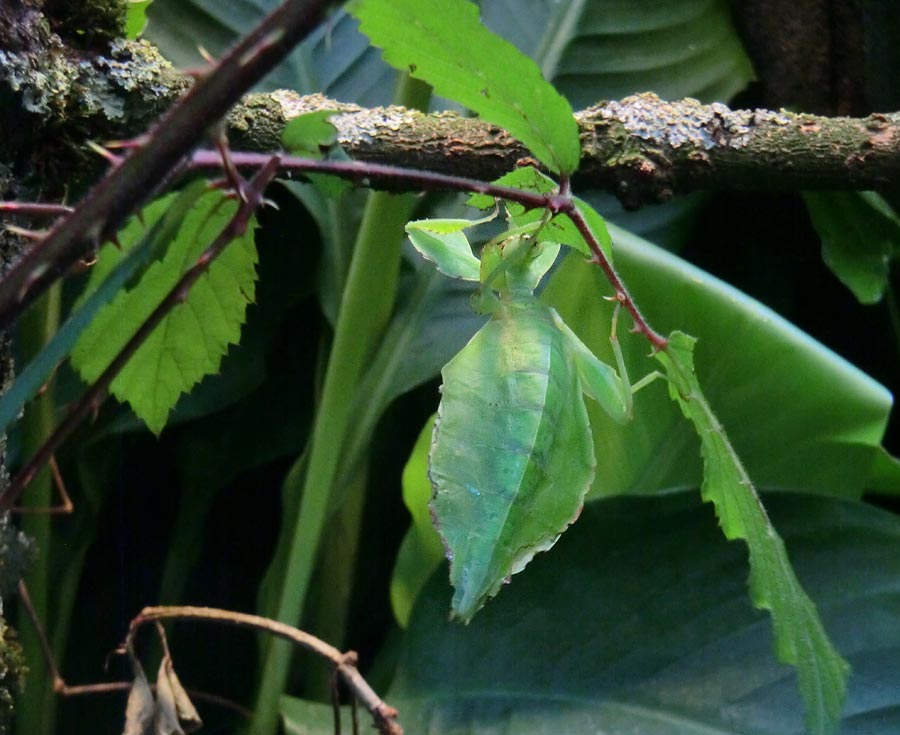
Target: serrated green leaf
[
  {"x": 800, "y": 638},
  {"x": 449, "y": 251},
  {"x": 860, "y": 234},
  {"x": 421, "y": 551},
  {"x": 143, "y": 242},
  {"x": 191, "y": 341},
  {"x": 443, "y": 43},
  {"x": 607, "y": 50},
  {"x": 305, "y": 135}
]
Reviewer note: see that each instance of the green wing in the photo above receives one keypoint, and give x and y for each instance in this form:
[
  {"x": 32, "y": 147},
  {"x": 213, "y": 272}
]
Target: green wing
[{"x": 512, "y": 455}]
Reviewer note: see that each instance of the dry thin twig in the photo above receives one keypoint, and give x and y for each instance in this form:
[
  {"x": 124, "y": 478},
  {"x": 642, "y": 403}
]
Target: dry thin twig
[
  {"x": 65, "y": 690},
  {"x": 384, "y": 715}
]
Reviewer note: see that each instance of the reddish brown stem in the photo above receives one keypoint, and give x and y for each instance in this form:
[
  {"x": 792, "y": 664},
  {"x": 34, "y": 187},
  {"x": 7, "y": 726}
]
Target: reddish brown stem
[
  {"x": 369, "y": 173},
  {"x": 65, "y": 505},
  {"x": 35, "y": 209},
  {"x": 621, "y": 293}
]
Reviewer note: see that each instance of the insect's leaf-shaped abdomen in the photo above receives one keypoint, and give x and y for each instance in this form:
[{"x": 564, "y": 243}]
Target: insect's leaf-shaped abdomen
[{"x": 512, "y": 457}]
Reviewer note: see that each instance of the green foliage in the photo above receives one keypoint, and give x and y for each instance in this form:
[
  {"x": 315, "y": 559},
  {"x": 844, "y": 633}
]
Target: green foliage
[
  {"x": 146, "y": 241},
  {"x": 191, "y": 341},
  {"x": 310, "y": 135},
  {"x": 136, "y": 18},
  {"x": 445, "y": 244},
  {"x": 800, "y": 639},
  {"x": 559, "y": 228},
  {"x": 860, "y": 236},
  {"x": 799, "y": 416},
  {"x": 639, "y": 622},
  {"x": 677, "y": 48},
  {"x": 306, "y": 135},
  {"x": 421, "y": 551},
  {"x": 444, "y": 44}
]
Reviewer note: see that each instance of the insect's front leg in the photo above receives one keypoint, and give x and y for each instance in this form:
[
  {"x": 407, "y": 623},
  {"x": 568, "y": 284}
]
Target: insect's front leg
[{"x": 610, "y": 388}]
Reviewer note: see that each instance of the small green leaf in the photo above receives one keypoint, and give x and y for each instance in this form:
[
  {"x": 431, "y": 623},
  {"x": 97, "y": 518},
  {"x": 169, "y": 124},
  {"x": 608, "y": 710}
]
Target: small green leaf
[
  {"x": 560, "y": 229},
  {"x": 443, "y": 43},
  {"x": 860, "y": 234},
  {"x": 527, "y": 178},
  {"x": 800, "y": 638},
  {"x": 306, "y": 135},
  {"x": 421, "y": 551},
  {"x": 136, "y": 18},
  {"x": 191, "y": 341},
  {"x": 563, "y": 230},
  {"x": 447, "y": 248}
]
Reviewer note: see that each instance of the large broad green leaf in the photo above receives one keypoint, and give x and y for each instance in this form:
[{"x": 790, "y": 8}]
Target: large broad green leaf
[
  {"x": 335, "y": 59},
  {"x": 594, "y": 51},
  {"x": 860, "y": 235},
  {"x": 682, "y": 47},
  {"x": 799, "y": 416},
  {"x": 421, "y": 551},
  {"x": 800, "y": 639},
  {"x": 443, "y": 43},
  {"x": 638, "y": 623},
  {"x": 191, "y": 341}
]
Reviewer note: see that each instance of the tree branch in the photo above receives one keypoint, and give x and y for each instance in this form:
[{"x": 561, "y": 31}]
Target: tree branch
[{"x": 642, "y": 148}]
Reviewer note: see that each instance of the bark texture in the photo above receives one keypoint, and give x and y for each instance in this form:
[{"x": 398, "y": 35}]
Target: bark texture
[{"x": 642, "y": 148}]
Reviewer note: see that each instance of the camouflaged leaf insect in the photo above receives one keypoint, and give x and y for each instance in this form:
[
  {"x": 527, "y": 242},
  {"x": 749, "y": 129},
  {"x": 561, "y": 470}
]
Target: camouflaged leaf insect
[{"x": 512, "y": 453}]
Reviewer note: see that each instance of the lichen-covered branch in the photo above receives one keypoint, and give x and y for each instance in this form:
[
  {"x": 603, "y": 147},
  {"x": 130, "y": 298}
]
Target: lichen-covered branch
[{"x": 642, "y": 148}]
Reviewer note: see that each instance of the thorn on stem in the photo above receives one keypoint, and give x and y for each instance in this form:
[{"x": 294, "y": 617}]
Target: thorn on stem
[
  {"x": 128, "y": 143},
  {"x": 35, "y": 235},
  {"x": 111, "y": 157}
]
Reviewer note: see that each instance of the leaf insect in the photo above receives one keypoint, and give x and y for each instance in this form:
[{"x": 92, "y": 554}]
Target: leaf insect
[{"x": 512, "y": 454}]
